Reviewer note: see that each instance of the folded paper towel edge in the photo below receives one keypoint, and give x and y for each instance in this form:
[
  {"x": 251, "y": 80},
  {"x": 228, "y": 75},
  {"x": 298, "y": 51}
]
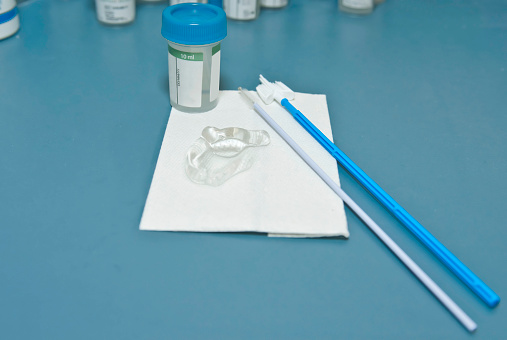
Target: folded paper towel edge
[
  {"x": 341, "y": 235},
  {"x": 344, "y": 234}
]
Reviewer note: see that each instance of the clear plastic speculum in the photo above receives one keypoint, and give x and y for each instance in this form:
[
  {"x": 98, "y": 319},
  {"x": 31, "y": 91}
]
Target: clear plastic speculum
[{"x": 219, "y": 154}]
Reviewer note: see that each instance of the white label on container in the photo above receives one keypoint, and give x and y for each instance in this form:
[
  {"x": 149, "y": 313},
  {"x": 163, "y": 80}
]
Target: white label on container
[
  {"x": 241, "y": 9},
  {"x": 185, "y": 77},
  {"x": 274, "y": 3},
  {"x": 358, "y": 4},
  {"x": 215, "y": 73},
  {"x": 116, "y": 11}
]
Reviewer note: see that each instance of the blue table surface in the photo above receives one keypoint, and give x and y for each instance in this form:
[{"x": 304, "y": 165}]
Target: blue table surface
[{"x": 417, "y": 93}]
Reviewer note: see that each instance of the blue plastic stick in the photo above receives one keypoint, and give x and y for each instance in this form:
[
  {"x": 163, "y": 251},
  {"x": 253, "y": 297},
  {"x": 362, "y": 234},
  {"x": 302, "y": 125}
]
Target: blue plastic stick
[
  {"x": 448, "y": 303},
  {"x": 452, "y": 262}
]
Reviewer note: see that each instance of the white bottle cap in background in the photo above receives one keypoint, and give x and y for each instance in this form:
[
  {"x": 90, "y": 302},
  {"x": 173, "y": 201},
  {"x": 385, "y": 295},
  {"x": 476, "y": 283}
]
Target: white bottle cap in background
[{"x": 9, "y": 18}]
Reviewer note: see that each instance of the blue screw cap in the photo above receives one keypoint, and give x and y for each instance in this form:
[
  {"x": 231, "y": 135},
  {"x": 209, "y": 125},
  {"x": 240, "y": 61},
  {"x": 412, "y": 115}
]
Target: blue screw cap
[{"x": 194, "y": 24}]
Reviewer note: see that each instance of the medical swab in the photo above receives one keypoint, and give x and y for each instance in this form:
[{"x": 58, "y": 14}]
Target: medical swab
[
  {"x": 448, "y": 303},
  {"x": 279, "y": 92}
]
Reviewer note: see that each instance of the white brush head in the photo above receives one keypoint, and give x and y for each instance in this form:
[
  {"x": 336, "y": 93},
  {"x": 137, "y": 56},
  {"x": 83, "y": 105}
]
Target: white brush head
[
  {"x": 266, "y": 93},
  {"x": 269, "y": 91}
]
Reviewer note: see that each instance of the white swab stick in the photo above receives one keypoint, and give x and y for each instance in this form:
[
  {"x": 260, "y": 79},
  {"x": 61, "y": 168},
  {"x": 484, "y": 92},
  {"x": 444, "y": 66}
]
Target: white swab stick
[{"x": 448, "y": 303}]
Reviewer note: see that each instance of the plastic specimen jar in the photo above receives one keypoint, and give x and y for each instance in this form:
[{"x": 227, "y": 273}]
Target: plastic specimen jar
[
  {"x": 356, "y": 6},
  {"x": 175, "y": 2},
  {"x": 242, "y": 9},
  {"x": 9, "y": 18},
  {"x": 115, "y": 12},
  {"x": 194, "y": 32},
  {"x": 274, "y": 3}
]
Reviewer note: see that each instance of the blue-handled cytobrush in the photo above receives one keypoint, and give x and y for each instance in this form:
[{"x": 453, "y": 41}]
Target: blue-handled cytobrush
[
  {"x": 279, "y": 92},
  {"x": 448, "y": 303}
]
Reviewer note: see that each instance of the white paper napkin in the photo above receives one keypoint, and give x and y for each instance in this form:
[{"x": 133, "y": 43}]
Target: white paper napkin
[{"x": 280, "y": 195}]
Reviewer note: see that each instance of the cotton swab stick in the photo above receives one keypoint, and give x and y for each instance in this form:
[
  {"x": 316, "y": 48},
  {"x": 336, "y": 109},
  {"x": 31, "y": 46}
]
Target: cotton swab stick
[{"x": 448, "y": 303}]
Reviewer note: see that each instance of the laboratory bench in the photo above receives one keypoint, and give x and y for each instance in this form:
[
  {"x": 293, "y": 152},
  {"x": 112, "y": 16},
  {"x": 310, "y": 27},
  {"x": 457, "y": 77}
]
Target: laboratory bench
[{"x": 417, "y": 96}]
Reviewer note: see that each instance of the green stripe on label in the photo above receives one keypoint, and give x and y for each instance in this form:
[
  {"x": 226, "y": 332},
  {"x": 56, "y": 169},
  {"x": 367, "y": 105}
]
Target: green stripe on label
[
  {"x": 215, "y": 49},
  {"x": 191, "y": 56}
]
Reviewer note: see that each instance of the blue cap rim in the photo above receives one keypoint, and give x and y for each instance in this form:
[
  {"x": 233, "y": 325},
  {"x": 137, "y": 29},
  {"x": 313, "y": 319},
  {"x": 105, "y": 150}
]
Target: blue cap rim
[{"x": 194, "y": 31}]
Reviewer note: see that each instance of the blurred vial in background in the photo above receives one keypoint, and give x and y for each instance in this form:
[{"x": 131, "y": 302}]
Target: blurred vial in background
[
  {"x": 274, "y": 3},
  {"x": 175, "y": 2},
  {"x": 242, "y": 9},
  {"x": 9, "y": 18},
  {"x": 116, "y": 12},
  {"x": 356, "y": 6}
]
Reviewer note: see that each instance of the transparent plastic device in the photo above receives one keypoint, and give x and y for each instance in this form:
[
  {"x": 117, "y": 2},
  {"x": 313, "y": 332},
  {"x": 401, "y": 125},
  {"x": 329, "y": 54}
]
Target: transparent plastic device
[{"x": 219, "y": 154}]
